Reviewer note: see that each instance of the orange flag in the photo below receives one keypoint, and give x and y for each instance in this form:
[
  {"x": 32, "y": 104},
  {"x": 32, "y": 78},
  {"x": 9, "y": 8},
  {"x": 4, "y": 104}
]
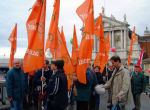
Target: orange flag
[
  {"x": 98, "y": 28},
  {"x": 63, "y": 37},
  {"x": 13, "y": 39},
  {"x": 62, "y": 53},
  {"x": 100, "y": 59},
  {"x": 75, "y": 49},
  {"x": 86, "y": 46},
  {"x": 34, "y": 56},
  {"x": 52, "y": 39},
  {"x": 107, "y": 41},
  {"x": 133, "y": 39},
  {"x": 83, "y": 10}
]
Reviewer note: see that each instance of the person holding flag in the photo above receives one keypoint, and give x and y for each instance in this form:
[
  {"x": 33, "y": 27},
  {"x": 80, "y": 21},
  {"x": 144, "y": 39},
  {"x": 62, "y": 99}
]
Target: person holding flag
[{"x": 37, "y": 79}]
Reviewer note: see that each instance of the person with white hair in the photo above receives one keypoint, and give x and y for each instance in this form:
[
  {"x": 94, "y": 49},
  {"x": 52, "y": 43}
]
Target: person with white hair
[{"x": 17, "y": 86}]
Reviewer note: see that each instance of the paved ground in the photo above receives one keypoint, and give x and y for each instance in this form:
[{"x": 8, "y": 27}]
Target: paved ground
[{"x": 145, "y": 103}]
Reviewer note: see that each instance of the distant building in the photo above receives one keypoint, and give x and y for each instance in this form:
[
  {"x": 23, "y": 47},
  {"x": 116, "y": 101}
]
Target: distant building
[
  {"x": 120, "y": 38},
  {"x": 144, "y": 42}
]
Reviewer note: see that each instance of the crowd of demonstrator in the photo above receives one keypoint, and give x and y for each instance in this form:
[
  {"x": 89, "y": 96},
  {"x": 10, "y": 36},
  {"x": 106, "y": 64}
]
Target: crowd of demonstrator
[{"x": 48, "y": 88}]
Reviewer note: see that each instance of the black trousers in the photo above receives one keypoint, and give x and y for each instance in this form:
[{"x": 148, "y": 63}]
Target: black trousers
[
  {"x": 82, "y": 105},
  {"x": 137, "y": 102}
]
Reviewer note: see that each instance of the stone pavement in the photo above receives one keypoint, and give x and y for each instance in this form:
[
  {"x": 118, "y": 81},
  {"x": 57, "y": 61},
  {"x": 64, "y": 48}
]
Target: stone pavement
[{"x": 145, "y": 103}]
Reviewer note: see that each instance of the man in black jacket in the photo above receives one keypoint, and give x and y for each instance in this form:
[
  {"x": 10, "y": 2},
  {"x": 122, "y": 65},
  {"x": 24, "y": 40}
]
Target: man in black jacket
[
  {"x": 37, "y": 80},
  {"x": 57, "y": 88}
]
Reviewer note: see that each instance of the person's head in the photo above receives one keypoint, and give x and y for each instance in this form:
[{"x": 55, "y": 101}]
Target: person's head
[
  {"x": 136, "y": 67},
  {"x": 57, "y": 64},
  {"x": 46, "y": 64},
  {"x": 110, "y": 66},
  {"x": 116, "y": 61},
  {"x": 17, "y": 63},
  {"x": 90, "y": 66},
  {"x": 97, "y": 69}
]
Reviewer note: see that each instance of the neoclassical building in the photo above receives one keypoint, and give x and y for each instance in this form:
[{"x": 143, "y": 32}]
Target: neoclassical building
[{"x": 120, "y": 38}]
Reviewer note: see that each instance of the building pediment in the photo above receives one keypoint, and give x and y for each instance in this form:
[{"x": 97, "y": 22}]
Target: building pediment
[{"x": 112, "y": 23}]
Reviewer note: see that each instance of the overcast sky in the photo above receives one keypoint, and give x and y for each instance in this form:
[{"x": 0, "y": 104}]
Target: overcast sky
[{"x": 17, "y": 11}]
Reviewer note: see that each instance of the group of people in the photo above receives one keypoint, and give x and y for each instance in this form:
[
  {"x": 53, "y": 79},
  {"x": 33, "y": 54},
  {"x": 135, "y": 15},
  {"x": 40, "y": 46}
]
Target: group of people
[{"x": 48, "y": 88}]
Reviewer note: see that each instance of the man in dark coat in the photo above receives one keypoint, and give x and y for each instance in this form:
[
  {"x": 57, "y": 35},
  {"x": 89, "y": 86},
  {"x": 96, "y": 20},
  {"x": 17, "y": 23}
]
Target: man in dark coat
[
  {"x": 84, "y": 91},
  {"x": 17, "y": 86},
  {"x": 138, "y": 85},
  {"x": 37, "y": 80},
  {"x": 57, "y": 88}
]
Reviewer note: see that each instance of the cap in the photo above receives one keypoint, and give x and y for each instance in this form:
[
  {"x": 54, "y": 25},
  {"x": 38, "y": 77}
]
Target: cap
[{"x": 136, "y": 65}]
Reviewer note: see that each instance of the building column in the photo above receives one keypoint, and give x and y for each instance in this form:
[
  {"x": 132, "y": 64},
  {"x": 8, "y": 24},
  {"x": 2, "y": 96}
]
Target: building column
[
  {"x": 121, "y": 40},
  {"x": 112, "y": 38},
  {"x": 125, "y": 39}
]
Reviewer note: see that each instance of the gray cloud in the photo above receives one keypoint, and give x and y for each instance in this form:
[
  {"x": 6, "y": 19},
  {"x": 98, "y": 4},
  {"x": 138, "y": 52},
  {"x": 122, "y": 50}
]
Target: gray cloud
[{"x": 17, "y": 11}]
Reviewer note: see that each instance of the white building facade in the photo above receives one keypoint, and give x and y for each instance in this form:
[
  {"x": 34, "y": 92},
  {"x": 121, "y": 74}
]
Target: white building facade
[{"x": 119, "y": 38}]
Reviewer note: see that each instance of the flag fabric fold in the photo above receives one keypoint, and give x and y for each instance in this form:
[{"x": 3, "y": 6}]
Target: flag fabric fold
[
  {"x": 13, "y": 40},
  {"x": 133, "y": 39},
  {"x": 52, "y": 39},
  {"x": 62, "y": 53},
  {"x": 83, "y": 10},
  {"x": 86, "y": 46},
  {"x": 100, "y": 59},
  {"x": 140, "y": 60},
  {"x": 34, "y": 56},
  {"x": 75, "y": 49}
]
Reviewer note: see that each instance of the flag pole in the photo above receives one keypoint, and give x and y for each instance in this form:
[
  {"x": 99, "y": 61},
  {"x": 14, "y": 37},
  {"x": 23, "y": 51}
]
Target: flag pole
[
  {"x": 106, "y": 73},
  {"x": 54, "y": 57},
  {"x": 42, "y": 87}
]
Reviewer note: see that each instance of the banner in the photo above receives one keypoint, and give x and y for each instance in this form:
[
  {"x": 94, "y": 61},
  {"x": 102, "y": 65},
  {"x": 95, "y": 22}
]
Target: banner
[
  {"x": 34, "y": 56},
  {"x": 62, "y": 53},
  {"x": 83, "y": 10},
  {"x": 75, "y": 49},
  {"x": 86, "y": 46},
  {"x": 52, "y": 39},
  {"x": 100, "y": 59},
  {"x": 133, "y": 39},
  {"x": 13, "y": 40},
  {"x": 140, "y": 60}
]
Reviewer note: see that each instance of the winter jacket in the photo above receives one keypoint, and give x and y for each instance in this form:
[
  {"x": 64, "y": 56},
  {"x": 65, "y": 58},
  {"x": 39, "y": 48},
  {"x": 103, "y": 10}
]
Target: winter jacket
[
  {"x": 99, "y": 78},
  {"x": 37, "y": 76},
  {"x": 120, "y": 85},
  {"x": 138, "y": 82},
  {"x": 57, "y": 91},
  {"x": 84, "y": 90},
  {"x": 16, "y": 84}
]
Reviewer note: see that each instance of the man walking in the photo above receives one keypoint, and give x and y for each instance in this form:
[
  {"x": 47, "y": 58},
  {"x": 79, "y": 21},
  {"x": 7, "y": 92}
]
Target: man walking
[
  {"x": 119, "y": 82},
  {"x": 17, "y": 86},
  {"x": 138, "y": 85}
]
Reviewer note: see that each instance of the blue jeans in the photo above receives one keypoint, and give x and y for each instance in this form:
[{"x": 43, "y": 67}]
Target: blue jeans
[
  {"x": 16, "y": 105},
  {"x": 97, "y": 101}
]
